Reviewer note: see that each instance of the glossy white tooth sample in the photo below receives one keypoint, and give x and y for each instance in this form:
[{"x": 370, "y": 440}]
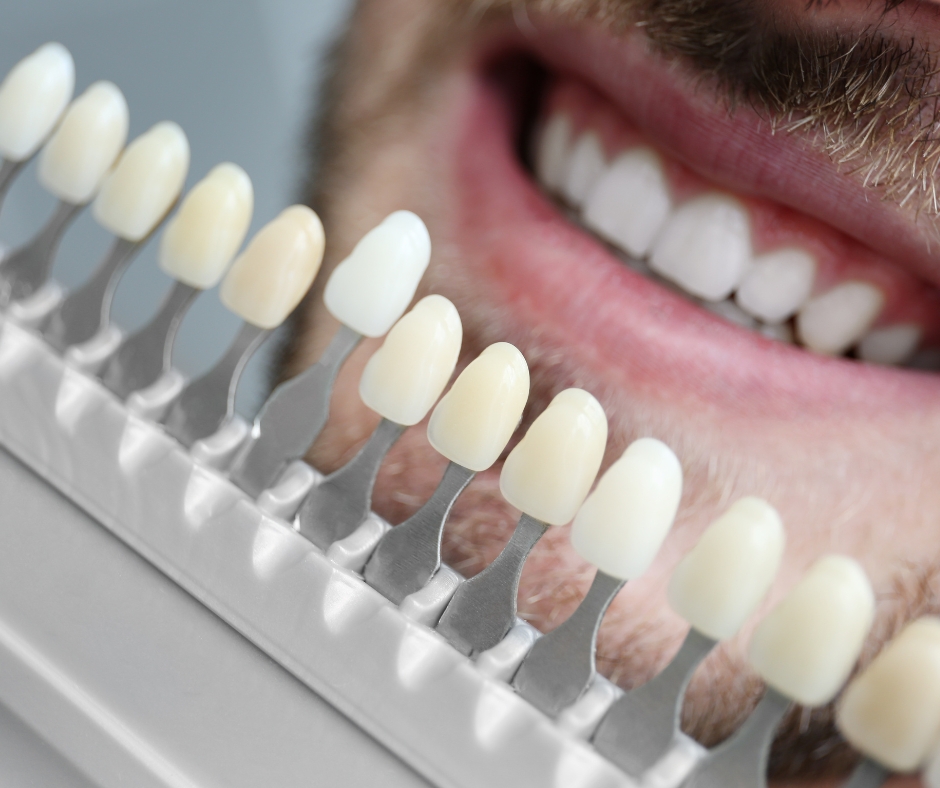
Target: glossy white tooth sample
[
  {"x": 404, "y": 377},
  {"x": 806, "y": 647},
  {"x": 720, "y": 582},
  {"x": 205, "y": 233},
  {"x": 32, "y": 97},
  {"x": 274, "y": 272},
  {"x": 834, "y": 321},
  {"x": 552, "y": 151},
  {"x": 777, "y": 284},
  {"x": 705, "y": 246},
  {"x": 623, "y": 522},
  {"x": 371, "y": 289},
  {"x": 475, "y": 419},
  {"x": 585, "y": 166},
  {"x": 550, "y": 471},
  {"x": 891, "y": 711},
  {"x": 630, "y": 203},
  {"x": 890, "y": 344},
  {"x": 86, "y": 143},
  {"x": 144, "y": 183}
]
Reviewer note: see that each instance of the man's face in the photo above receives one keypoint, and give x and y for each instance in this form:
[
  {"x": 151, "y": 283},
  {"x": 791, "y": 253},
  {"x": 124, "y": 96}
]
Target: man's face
[{"x": 805, "y": 134}]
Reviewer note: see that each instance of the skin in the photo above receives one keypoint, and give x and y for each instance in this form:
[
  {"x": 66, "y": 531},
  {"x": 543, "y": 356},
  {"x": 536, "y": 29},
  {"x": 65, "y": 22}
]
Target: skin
[{"x": 846, "y": 453}]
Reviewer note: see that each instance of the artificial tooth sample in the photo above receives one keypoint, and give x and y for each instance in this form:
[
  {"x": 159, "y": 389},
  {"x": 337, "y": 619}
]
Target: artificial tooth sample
[
  {"x": 630, "y": 202},
  {"x": 705, "y": 246},
  {"x": 777, "y": 285},
  {"x": 833, "y": 322},
  {"x": 890, "y": 344},
  {"x": 551, "y": 155},
  {"x": 891, "y": 711},
  {"x": 585, "y": 165}
]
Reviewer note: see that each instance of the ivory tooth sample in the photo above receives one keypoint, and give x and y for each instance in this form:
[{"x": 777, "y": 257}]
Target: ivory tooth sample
[
  {"x": 619, "y": 529},
  {"x": 547, "y": 475},
  {"x": 716, "y": 588},
  {"x": 72, "y": 166},
  {"x": 401, "y": 382},
  {"x": 804, "y": 650},
  {"x": 132, "y": 201},
  {"x": 367, "y": 293},
  {"x": 197, "y": 246},
  {"x": 262, "y": 287},
  {"x": 470, "y": 426}
]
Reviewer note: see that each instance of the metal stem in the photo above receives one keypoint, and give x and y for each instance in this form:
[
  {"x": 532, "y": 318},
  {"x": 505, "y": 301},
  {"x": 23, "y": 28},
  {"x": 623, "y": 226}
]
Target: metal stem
[
  {"x": 338, "y": 505},
  {"x": 208, "y": 402},
  {"x": 642, "y": 726},
  {"x": 8, "y": 171},
  {"x": 868, "y": 774},
  {"x": 484, "y": 608},
  {"x": 409, "y": 555},
  {"x": 143, "y": 357},
  {"x": 291, "y": 419}
]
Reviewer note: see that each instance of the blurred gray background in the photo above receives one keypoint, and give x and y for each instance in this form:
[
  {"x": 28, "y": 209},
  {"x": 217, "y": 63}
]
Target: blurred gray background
[{"x": 240, "y": 77}]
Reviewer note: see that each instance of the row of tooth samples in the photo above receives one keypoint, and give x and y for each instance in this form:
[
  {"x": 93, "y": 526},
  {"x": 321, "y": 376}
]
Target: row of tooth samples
[
  {"x": 804, "y": 649},
  {"x": 703, "y": 246}
]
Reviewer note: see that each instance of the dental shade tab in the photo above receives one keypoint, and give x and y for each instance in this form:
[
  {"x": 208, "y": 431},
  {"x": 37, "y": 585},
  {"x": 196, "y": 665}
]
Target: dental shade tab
[
  {"x": 367, "y": 292},
  {"x": 401, "y": 382}
]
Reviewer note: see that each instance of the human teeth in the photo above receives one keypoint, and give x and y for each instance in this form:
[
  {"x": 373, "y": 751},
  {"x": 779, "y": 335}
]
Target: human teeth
[
  {"x": 623, "y": 522},
  {"x": 92, "y": 133},
  {"x": 474, "y": 421},
  {"x": 32, "y": 97},
  {"x": 270, "y": 277},
  {"x": 630, "y": 202},
  {"x": 834, "y": 321},
  {"x": 405, "y": 376},
  {"x": 145, "y": 183},
  {"x": 891, "y": 712},
  {"x": 781, "y": 332},
  {"x": 890, "y": 345},
  {"x": 370, "y": 289},
  {"x": 705, "y": 246},
  {"x": 586, "y": 165},
  {"x": 549, "y": 472},
  {"x": 551, "y": 155},
  {"x": 731, "y": 312},
  {"x": 723, "y": 579},
  {"x": 204, "y": 235},
  {"x": 806, "y": 647},
  {"x": 777, "y": 284}
]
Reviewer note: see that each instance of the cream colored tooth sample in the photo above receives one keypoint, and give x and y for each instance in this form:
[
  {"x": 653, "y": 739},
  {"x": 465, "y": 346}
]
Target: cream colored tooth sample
[
  {"x": 720, "y": 582},
  {"x": 32, "y": 98},
  {"x": 206, "y": 232},
  {"x": 475, "y": 419},
  {"x": 270, "y": 277},
  {"x": 833, "y": 322},
  {"x": 371, "y": 289},
  {"x": 550, "y": 471},
  {"x": 806, "y": 647},
  {"x": 622, "y": 524},
  {"x": 891, "y": 711},
  {"x": 404, "y": 377},
  {"x": 87, "y": 142},
  {"x": 144, "y": 183}
]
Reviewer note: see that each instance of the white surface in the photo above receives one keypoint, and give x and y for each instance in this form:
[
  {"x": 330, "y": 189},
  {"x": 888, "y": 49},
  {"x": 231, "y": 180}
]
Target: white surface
[
  {"x": 585, "y": 165},
  {"x": 834, "y": 321},
  {"x": 777, "y": 284}
]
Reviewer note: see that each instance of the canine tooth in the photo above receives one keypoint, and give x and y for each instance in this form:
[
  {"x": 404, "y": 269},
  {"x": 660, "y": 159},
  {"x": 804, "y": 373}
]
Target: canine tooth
[
  {"x": 731, "y": 312},
  {"x": 79, "y": 154},
  {"x": 404, "y": 377},
  {"x": 630, "y": 202},
  {"x": 144, "y": 183},
  {"x": 777, "y": 284},
  {"x": 621, "y": 525},
  {"x": 202, "y": 238},
  {"x": 723, "y": 579},
  {"x": 372, "y": 287},
  {"x": 474, "y": 421},
  {"x": 551, "y": 154},
  {"x": 270, "y": 277},
  {"x": 834, "y": 321},
  {"x": 891, "y": 711},
  {"x": 705, "y": 246},
  {"x": 890, "y": 344},
  {"x": 585, "y": 167},
  {"x": 549, "y": 472},
  {"x": 32, "y": 98},
  {"x": 806, "y": 647}
]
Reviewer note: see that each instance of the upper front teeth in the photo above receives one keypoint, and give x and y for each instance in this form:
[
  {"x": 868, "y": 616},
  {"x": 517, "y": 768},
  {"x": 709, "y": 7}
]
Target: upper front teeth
[
  {"x": 777, "y": 285},
  {"x": 585, "y": 167},
  {"x": 836, "y": 320}
]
